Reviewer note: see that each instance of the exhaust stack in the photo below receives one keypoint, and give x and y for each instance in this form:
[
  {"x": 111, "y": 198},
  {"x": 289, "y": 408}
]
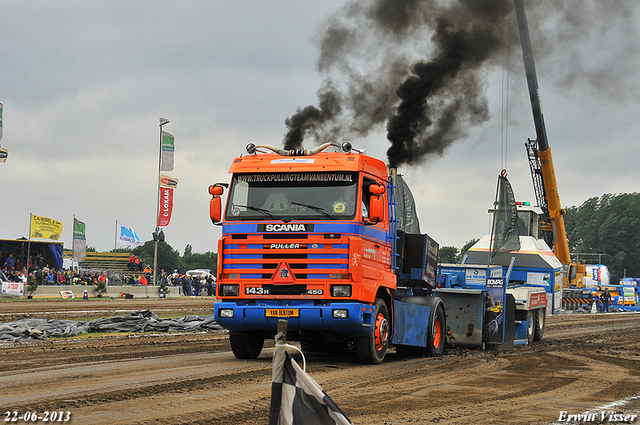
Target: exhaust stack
[{"x": 393, "y": 172}]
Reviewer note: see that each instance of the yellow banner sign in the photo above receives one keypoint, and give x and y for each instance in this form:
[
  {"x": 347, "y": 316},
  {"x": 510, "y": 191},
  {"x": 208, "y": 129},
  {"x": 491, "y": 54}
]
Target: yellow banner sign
[{"x": 43, "y": 227}]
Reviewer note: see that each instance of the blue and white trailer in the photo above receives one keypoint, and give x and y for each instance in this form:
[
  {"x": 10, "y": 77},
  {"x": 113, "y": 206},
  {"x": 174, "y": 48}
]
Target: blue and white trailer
[{"x": 527, "y": 284}]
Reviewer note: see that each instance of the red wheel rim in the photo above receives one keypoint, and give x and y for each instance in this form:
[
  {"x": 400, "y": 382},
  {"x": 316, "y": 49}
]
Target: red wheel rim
[
  {"x": 437, "y": 332},
  {"x": 381, "y": 331}
]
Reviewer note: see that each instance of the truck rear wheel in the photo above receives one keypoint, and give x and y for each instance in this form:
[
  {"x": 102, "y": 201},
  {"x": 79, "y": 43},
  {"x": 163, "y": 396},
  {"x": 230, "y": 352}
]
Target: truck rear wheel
[
  {"x": 531, "y": 325},
  {"x": 372, "y": 348},
  {"x": 435, "y": 340},
  {"x": 541, "y": 318},
  {"x": 245, "y": 346}
]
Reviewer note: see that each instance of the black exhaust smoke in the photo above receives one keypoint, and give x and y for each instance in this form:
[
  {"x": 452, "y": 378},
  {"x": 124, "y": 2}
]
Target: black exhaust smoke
[
  {"x": 370, "y": 80},
  {"x": 419, "y": 66},
  {"x": 309, "y": 119},
  {"x": 444, "y": 96}
]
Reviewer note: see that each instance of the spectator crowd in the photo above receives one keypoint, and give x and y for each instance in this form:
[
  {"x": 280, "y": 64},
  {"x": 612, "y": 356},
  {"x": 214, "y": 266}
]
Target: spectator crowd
[
  {"x": 43, "y": 274},
  {"x": 141, "y": 274}
]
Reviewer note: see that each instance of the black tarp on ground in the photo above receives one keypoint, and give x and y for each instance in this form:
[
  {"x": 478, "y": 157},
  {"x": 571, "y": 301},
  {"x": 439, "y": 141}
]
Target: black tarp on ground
[{"x": 26, "y": 330}]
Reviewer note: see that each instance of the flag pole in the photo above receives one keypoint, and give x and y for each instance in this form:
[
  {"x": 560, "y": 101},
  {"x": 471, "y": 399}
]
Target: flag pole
[
  {"x": 115, "y": 246},
  {"x": 73, "y": 237},
  {"x": 29, "y": 244},
  {"x": 162, "y": 122},
  {"x": 493, "y": 224}
]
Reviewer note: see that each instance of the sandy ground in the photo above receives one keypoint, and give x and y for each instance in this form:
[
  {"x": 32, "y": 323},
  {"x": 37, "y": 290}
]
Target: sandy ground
[{"x": 585, "y": 363}]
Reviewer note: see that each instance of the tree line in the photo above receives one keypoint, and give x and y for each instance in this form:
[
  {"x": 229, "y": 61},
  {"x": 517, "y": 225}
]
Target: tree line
[{"x": 607, "y": 227}]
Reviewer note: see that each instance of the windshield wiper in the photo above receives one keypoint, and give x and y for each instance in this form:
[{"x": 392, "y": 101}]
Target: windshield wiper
[
  {"x": 265, "y": 212},
  {"x": 317, "y": 209}
]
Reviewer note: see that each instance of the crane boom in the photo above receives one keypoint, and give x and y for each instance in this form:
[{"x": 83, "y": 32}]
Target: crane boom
[{"x": 549, "y": 186}]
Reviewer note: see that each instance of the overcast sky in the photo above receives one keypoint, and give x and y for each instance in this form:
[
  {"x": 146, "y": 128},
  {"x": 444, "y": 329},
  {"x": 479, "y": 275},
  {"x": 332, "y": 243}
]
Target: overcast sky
[{"x": 84, "y": 83}]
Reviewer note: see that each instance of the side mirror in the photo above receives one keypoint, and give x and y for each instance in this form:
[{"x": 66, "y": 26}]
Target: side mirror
[
  {"x": 216, "y": 189},
  {"x": 377, "y": 189},
  {"x": 215, "y": 204},
  {"x": 376, "y": 203}
]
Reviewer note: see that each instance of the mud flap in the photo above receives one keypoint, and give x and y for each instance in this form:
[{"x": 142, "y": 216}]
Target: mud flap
[
  {"x": 410, "y": 324},
  {"x": 509, "y": 326},
  {"x": 464, "y": 309}
]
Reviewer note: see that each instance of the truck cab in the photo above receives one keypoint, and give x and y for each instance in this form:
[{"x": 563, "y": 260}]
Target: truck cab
[{"x": 306, "y": 238}]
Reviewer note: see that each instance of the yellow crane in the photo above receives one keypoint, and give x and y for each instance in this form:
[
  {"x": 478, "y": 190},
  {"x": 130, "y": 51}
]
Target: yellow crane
[{"x": 542, "y": 170}]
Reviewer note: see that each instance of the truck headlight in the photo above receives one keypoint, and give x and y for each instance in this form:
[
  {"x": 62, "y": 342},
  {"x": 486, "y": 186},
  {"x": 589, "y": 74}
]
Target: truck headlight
[
  {"x": 230, "y": 290},
  {"x": 341, "y": 290},
  {"x": 226, "y": 313},
  {"x": 340, "y": 314}
]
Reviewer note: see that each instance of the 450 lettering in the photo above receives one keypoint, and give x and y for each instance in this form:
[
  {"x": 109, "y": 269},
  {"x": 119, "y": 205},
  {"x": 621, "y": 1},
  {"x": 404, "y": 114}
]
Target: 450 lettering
[{"x": 315, "y": 291}]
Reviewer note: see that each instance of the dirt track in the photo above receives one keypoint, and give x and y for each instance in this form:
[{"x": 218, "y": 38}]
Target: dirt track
[{"x": 584, "y": 362}]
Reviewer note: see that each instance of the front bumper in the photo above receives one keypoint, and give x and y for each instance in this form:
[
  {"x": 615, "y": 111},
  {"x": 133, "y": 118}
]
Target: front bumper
[{"x": 311, "y": 316}]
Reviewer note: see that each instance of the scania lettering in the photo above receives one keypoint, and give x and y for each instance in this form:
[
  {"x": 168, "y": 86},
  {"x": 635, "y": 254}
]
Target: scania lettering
[{"x": 285, "y": 228}]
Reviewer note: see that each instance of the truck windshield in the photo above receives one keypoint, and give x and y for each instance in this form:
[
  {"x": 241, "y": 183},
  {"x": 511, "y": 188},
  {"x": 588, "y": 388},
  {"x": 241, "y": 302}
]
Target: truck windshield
[{"x": 293, "y": 196}]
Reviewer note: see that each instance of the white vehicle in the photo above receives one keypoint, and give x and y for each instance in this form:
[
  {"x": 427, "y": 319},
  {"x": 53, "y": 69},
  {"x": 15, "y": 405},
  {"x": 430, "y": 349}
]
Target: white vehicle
[
  {"x": 11, "y": 289},
  {"x": 69, "y": 264},
  {"x": 596, "y": 275},
  {"x": 202, "y": 273}
]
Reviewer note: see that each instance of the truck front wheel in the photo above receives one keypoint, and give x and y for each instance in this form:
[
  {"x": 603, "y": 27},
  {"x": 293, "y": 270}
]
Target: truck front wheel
[
  {"x": 372, "y": 348},
  {"x": 245, "y": 346}
]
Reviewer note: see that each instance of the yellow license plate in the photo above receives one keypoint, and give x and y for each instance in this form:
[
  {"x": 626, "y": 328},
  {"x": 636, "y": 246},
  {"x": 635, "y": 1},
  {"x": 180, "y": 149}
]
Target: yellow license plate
[{"x": 282, "y": 312}]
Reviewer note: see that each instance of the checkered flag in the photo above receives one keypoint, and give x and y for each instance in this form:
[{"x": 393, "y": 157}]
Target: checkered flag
[{"x": 296, "y": 398}]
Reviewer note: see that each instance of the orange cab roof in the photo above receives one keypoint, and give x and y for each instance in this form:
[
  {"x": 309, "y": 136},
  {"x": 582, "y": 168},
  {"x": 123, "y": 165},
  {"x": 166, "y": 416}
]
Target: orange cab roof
[{"x": 323, "y": 161}]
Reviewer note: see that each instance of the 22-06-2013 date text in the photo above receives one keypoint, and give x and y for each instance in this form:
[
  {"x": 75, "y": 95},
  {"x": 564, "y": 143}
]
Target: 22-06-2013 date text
[{"x": 33, "y": 416}]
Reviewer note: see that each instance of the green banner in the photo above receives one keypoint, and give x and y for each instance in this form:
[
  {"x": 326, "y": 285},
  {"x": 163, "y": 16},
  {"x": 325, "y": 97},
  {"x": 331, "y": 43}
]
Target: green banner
[
  {"x": 166, "y": 163},
  {"x": 79, "y": 241}
]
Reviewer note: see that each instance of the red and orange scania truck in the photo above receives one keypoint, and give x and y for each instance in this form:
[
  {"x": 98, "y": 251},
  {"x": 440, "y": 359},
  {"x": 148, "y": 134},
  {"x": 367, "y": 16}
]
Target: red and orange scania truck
[
  {"x": 330, "y": 242},
  {"x": 318, "y": 238}
]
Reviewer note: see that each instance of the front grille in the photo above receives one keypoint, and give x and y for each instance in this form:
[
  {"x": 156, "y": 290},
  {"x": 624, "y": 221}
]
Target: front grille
[
  {"x": 283, "y": 256},
  {"x": 286, "y": 289},
  {"x": 275, "y": 265},
  {"x": 285, "y": 236},
  {"x": 297, "y": 276}
]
